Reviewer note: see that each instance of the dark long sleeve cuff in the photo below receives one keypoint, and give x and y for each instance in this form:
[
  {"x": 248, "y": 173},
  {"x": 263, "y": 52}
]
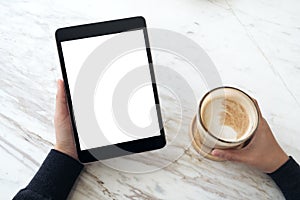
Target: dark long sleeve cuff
[
  {"x": 287, "y": 177},
  {"x": 55, "y": 177}
]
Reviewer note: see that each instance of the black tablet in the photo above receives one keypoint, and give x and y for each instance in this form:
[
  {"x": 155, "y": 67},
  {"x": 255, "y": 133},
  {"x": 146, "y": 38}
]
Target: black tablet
[{"x": 110, "y": 88}]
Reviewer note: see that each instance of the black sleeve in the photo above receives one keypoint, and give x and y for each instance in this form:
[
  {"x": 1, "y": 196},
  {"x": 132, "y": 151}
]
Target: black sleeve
[
  {"x": 54, "y": 179},
  {"x": 287, "y": 177}
]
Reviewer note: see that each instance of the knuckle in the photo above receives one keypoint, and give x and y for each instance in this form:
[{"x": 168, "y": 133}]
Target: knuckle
[{"x": 229, "y": 157}]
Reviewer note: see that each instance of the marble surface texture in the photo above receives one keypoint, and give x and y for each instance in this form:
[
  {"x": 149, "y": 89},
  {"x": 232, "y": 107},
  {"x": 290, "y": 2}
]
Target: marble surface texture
[{"x": 255, "y": 46}]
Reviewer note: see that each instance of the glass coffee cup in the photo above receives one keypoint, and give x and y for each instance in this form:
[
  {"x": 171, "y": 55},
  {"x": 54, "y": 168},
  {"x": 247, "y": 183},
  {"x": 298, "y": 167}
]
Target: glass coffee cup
[{"x": 226, "y": 118}]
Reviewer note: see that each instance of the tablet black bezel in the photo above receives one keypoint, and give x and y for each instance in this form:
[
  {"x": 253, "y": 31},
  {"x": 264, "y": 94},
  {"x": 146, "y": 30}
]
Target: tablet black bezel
[{"x": 99, "y": 29}]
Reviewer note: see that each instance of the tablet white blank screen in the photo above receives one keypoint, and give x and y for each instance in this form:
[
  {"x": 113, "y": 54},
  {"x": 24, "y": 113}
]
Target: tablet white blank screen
[{"x": 75, "y": 52}]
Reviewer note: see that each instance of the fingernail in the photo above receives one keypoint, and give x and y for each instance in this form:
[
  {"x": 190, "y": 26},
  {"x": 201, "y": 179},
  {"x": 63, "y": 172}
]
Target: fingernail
[{"x": 215, "y": 152}]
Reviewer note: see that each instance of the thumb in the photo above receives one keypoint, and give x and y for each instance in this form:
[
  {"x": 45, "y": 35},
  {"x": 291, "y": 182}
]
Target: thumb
[
  {"x": 230, "y": 154},
  {"x": 61, "y": 104}
]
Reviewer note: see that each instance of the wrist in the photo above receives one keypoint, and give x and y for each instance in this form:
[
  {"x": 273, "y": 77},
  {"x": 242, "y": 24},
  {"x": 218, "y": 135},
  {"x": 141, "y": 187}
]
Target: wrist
[
  {"x": 277, "y": 162},
  {"x": 66, "y": 151}
]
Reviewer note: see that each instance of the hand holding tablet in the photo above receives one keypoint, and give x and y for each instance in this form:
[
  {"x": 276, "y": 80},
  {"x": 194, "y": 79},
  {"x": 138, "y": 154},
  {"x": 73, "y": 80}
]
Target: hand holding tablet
[{"x": 100, "y": 63}]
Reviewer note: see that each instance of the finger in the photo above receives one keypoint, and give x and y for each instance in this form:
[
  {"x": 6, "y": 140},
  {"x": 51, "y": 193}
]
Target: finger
[
  {"x": 231, "y": 155},
  {"x": 260, "y": 123},
  {"x": 61, "y": 105},
  {"x": 257, "y": 107}
]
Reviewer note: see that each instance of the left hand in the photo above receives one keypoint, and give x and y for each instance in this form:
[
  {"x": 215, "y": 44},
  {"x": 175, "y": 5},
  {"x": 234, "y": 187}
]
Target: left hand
[{"x": 63, "y": 130}]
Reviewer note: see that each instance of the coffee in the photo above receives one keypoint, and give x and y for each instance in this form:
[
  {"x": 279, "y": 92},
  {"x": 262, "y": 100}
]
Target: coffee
[{"x": 226, "y": 118}]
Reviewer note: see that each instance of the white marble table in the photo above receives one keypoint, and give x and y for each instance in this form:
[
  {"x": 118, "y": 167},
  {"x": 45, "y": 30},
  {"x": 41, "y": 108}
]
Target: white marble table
[{"x": 255, "y": 45}]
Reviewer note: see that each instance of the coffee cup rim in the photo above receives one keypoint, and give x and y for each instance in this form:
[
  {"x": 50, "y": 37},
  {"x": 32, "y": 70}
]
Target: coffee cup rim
[{"x": 199, "y": 118}]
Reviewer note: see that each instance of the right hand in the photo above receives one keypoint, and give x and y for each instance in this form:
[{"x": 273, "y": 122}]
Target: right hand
[{"x": 263, "y": 152}]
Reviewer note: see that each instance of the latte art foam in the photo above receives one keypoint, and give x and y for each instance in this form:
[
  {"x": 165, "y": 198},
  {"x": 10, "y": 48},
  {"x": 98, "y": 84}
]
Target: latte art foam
[
  {"x": 235, "y": 116},
  {"x": 226, "y": 118}
]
